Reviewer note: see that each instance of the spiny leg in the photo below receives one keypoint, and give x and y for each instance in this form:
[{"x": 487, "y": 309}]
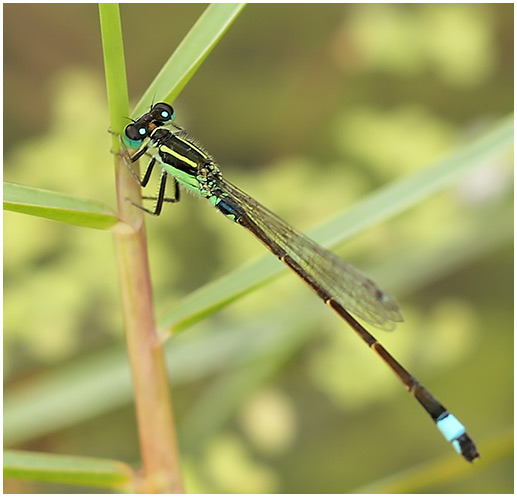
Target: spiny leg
[
  {"x": 126, "y": 155},
  {"x": 161, "y": 196},
  {"x": 172, "y": 200}
]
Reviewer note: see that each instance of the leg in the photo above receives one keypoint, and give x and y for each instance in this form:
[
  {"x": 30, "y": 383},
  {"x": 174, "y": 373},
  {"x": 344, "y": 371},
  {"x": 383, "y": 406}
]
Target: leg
[
  {"x": 145, "y": 180},
  {"x": 142, "y": 182},
  {"x": 147, "y": 175},
  {"x": 126, "y": 155},
  {"x": 171, "y": 200},
  {"x": 160, "y": 199},
  {"x": 180, "y": 131}
]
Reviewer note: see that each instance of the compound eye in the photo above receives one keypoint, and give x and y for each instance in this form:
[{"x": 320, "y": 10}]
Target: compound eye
[
  {"x": 136, "y": 132},
  {"x": 162, "y": 112}
]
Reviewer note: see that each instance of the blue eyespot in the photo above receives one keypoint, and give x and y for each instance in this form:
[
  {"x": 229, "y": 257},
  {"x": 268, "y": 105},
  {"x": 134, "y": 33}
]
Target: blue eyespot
[{"x": 162, "y": 112}]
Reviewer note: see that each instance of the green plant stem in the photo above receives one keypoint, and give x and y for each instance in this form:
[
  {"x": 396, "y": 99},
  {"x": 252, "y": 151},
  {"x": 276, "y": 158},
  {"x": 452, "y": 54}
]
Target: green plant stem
[
  {"x": 153, "y": 403},
  {"x": 155, "y": 418}
]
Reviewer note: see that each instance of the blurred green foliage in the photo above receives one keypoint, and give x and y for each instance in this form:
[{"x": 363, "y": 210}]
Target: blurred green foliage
[{"x": 308, "y": 108}]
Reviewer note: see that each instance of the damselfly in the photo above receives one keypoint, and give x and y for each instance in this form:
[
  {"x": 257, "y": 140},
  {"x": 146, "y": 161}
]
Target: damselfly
[{"x": 337, "y": 283}]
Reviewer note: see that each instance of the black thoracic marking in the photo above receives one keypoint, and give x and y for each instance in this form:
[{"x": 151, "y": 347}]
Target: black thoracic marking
[
  {"x": 190, "y": 151},
  {"x": 178, "y": 162}
]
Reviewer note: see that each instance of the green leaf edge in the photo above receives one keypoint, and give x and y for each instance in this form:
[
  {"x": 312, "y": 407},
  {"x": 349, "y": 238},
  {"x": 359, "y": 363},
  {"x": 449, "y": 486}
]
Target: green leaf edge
[
  {"x": 76, "y": 470},
  {"x": 186, "y": 59},
  {"x": 57, "y": 206}
]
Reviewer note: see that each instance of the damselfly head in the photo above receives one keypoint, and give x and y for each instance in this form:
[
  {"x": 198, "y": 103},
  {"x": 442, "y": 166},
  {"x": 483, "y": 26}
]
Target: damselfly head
[{"x": 160, "y": 114}]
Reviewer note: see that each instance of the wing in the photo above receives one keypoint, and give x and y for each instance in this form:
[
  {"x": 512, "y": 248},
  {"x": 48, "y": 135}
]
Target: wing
[{"x": 327, "y": 274}]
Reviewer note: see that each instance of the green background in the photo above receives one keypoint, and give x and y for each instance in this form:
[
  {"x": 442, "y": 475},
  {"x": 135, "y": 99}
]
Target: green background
[{"x": 308, "y": 108}]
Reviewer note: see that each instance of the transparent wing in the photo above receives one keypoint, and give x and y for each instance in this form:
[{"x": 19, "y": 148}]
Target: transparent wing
[{"x": 326, "y": 273}]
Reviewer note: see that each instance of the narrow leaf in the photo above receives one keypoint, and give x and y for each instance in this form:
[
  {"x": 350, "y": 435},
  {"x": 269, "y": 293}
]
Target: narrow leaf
[
  {"x": 58, "y": 206},
  {"x": 190, "y": 54},
  {"x": 71, "y": 470}
]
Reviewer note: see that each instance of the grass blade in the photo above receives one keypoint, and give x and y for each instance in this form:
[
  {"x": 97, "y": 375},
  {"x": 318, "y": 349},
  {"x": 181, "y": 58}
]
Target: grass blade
[
  {"x": 190, "y": 54},
  {"x": 87, "y": 471},
  {"x": 58, "y": 207}
]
